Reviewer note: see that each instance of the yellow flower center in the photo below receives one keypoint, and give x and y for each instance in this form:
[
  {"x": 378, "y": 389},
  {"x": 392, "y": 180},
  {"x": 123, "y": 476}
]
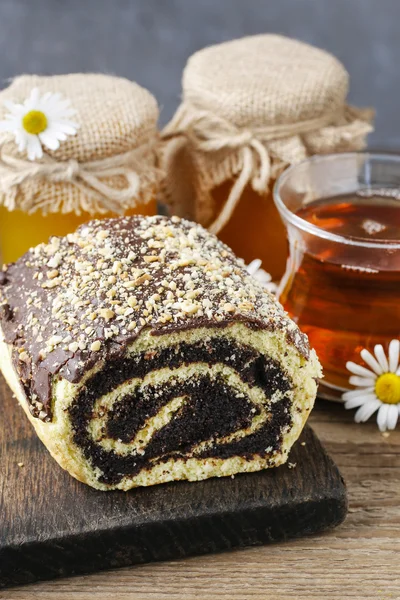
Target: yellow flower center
[
  {"x": 34, "y": 122},
  {"x": 387, "y": 388}
]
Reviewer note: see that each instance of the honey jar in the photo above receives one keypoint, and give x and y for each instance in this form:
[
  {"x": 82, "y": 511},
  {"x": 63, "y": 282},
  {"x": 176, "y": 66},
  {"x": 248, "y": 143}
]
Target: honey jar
[
  {"x": 73, "y": 148},
  {"x": 251, "y": 107}
]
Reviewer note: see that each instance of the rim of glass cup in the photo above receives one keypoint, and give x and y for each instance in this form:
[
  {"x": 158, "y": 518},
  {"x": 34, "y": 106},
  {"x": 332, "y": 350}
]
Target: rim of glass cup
[{"x": 308, "y": 227}]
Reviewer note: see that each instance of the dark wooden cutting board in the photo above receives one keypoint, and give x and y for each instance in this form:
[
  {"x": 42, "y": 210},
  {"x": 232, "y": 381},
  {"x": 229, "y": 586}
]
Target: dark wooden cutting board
[{"x": 53, "y": 526}]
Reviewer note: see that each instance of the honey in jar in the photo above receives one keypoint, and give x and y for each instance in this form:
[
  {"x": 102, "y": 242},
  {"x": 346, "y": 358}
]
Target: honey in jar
[
  {"x": 20, "y": 231},
  {"x": 93, "y": 155},
  {"x": 252, "y": 107},
  {"x": 263, "y": 217}
]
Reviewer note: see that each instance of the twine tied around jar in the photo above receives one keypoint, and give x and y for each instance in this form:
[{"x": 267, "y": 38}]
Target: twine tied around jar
[
  {"x": 89, "y": 177},
  {"x": 250, "y": 108},
  {"x": 209, "y": 133}
]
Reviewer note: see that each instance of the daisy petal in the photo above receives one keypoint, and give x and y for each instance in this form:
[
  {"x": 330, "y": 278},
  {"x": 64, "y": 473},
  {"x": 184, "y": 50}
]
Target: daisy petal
[
  {"x": 34, "y": 147},
  {"x": 63, "y": 111},
  {"x": 381, "y": 357},
  {"x": 394, "y": 352},
  {"x": 358, "y": 369},
  {"x": 22, "y": 144},
  {"x": 32, "y": 102},
  {"x": 69, "y": 128},
  {"x": 355, "y": 393},
  {"x": 263, "y": 276},
  {"x": 361, "y": 381},
  {"x": 20, "y": 135},
  {"x": 270, "y": 287},
  {"x": 359, "y": 401},
  {"x": 68, "y": 113},
  {"x": 253, "y": 266},
  {"x": 61, "y": 119},
  {"x": 367, "y": 410},
  {"x": 55, "y": 133},
  {"x": 54, "y": 99},
  {"x": 46, "y": 96},
  {"x": 371, "y": 361},
  {"x": 6, "y": 125},
  {"x": 12, "y": 124},
  {"x": 61, "y": 136},
  {"x": 49, "y": 141},
  {"x": 382, "y": 417},
  {"x": 9, "y": 105},
  {"x": 393, "y": 415},
  {"x": 20, "y": 140},
  {"x": 34, "y": 97},
  {"x": 354, "y": 403},
  {"x": 16, "y": 110}
]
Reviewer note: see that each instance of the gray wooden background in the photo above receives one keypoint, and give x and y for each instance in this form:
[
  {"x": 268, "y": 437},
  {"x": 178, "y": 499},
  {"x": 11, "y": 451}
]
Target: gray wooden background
[{"x": 150, "y": 40}]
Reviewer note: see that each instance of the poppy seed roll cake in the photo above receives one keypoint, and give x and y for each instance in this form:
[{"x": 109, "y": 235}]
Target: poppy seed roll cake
[{"x": 143, "y": 352}]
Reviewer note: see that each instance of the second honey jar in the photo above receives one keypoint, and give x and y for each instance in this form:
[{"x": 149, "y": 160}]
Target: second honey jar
[{"x": 252, "y": 107}]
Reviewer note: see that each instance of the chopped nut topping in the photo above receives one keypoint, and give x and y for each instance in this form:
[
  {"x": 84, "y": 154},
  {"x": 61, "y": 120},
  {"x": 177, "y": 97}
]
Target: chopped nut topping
[
  {"x": 132, "y": 301},
  {"x": 188, "y": 307},
  {"x": 102, "y": 234},
  {"x": 95, "y": 346},
  {"x": 117, "y": 266},
  {"x": 52, "y": 283},
  {"x": 228, "y": 307},
  {"x": 107, "y": 314},
  {"x": 150, "y": 259},
  {"x": 24, "y": 357},
  {"x": 143, "y": 278},
  {"x": 246, "y": 306}
]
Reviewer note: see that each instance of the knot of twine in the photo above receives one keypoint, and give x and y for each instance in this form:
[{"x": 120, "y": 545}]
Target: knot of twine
[
  {"x": 87, "y": 176},
  {"x": 210, "y": 133}
]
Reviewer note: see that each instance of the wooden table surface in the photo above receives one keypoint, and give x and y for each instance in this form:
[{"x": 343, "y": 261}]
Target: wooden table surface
[{"x": 358, "y": 560}]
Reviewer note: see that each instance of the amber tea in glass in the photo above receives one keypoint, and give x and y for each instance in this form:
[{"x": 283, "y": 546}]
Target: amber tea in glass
[{"x": 342, "y": 281}]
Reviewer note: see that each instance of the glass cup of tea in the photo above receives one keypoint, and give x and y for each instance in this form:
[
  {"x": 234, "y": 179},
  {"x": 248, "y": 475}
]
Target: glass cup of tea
[{"x": 342, "y": 279}]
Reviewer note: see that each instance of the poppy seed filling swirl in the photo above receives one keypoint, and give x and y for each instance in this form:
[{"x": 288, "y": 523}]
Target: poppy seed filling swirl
[{"x": 205, "y": 422}]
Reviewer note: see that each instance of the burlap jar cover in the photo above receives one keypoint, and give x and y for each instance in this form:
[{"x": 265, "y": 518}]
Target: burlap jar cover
[
  {"x": 109, "y": 165},
  {"x": 250, "y": 108}
]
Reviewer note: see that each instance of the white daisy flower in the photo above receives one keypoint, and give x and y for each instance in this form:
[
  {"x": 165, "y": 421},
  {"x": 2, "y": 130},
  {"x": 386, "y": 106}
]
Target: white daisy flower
[
  {"x": 377, "y": 388},
  {"x": 254, "y": 269},
  {"x": 39, "y": 121}
]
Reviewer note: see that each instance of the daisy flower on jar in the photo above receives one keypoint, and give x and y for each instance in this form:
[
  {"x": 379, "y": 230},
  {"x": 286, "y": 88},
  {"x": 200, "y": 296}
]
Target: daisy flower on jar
[
  {"x": 40, "y": 121},
  {"x": 377, "y": 388}
]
